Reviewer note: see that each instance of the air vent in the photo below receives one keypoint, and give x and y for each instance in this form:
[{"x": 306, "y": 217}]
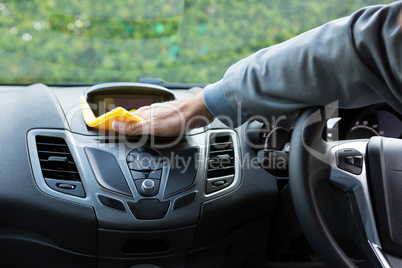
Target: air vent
[
  {"x": 221, "y": 157},
  {"x": 58, "y": 167},
  {"x": 55, "y": 159},
  {"x": 221, "y": 163}
]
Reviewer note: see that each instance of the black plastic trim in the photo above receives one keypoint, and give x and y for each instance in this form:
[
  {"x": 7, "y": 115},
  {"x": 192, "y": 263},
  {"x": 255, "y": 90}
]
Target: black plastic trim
[
  {"x": 107, "y": 171},
  {"x": 149, "y": 209},
  {"x": 112, "y": 202}
]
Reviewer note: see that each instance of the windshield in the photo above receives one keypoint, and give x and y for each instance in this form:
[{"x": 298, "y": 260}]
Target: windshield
[{"x": 189, "y": 41}]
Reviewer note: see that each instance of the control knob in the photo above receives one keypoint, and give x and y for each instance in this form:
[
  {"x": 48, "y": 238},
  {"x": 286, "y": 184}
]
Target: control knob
[{"x": 148, "y": 186}]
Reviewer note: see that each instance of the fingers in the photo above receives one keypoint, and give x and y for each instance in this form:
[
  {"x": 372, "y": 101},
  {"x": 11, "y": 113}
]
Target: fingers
[
  {"x": 131, "y": 128},
  {"x": 143, "y": 112},
  {"x": 142, "y": 109},
  {"x": 167, "y": 119},
  {"x": 400, "y": 20}
]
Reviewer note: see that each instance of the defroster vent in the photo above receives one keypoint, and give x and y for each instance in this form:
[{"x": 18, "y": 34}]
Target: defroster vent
[
  {"x": 58, "y": 167},
  {"x": 221, "y": 163}
]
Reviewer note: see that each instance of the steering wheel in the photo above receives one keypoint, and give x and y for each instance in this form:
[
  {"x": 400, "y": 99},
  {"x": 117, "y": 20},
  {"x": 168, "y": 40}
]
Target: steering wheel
[{"x": 367, "y": 172}]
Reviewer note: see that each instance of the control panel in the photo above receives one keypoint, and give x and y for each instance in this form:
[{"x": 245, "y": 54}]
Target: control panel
[{"x": 146, "y": 187}]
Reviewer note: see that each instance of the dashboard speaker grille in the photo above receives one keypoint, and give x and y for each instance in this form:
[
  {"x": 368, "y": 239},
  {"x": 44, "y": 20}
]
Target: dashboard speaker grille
[
  {"x": 221, "y": 160},
  {"x": 55, "y": 159}
]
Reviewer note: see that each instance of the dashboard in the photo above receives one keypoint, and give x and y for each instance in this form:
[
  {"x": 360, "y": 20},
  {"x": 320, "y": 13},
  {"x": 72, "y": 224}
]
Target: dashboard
[
  {"x": 75, "y": 196},
  {"x": 72, "y": 195},
  {"x": 349, "y": 124},
  {"x": 364, "y": 123}
]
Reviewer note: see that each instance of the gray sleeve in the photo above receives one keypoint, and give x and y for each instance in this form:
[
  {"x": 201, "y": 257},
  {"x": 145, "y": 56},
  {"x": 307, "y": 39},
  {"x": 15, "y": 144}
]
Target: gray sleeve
[{"x": 355, "y": 60}]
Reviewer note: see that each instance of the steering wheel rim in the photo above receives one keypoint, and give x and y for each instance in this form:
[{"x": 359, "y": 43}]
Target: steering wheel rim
[
  {"x": 312, "y": 160},
  {"x": 305, "y": 171}
]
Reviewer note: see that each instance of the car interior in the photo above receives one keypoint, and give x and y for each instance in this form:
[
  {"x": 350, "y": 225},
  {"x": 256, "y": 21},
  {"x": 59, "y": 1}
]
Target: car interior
[
  {"x": 323, "y": 192},
  {"x": 76, "y": 196}
]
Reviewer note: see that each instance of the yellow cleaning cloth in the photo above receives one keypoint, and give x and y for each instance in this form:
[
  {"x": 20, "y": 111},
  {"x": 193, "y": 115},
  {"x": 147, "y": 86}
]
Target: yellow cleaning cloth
[{"x": 105, "y": 121}]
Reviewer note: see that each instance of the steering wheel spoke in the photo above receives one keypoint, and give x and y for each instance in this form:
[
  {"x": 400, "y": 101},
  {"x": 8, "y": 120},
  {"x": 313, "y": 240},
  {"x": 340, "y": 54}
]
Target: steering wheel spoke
[
  {"x": 345, "y": 164},
  {"x": 349, "y": 173}
]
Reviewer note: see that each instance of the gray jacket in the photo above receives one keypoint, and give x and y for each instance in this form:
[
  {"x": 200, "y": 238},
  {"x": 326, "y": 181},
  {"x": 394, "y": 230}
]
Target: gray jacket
[{"x": 356, "y": 60}]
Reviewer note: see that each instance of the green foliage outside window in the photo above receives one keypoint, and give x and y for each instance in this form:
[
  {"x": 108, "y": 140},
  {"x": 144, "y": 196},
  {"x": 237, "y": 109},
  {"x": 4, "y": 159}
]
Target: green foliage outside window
[{"x": 192, "y": 41}]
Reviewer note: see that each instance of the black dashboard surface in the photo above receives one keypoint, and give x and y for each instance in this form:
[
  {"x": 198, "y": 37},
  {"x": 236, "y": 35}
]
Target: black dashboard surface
[
  {"x": 136, "y": 205},
  {"x": 114, "y": 223}
]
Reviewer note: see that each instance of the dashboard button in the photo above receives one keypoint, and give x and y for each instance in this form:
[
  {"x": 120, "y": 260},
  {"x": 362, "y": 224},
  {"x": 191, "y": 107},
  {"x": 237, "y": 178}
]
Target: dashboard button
[
  {"x": 350, "y": 160},
  {"x": 143, "y": 159},
  {"x": 66, "y": 186},
  {"x": 130, "y": 158},
  {"x": 137, "y": 175},
  {"x": 216, "y": 184},
  {"x": 146, "y": 191},
  {"x": 358, "y": 159},
  {"x": 148, "y": 186},
  {"x": 77, "y": 190},
  {"x": 156, "y": 174}
]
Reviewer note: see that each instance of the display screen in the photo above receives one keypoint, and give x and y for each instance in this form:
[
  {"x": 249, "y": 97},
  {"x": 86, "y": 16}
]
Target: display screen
[{"x": 106, "y": 103}]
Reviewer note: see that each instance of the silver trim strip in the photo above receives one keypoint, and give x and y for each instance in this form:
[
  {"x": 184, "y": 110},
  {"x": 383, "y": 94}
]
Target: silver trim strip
[
  {"x": 358, "y": 184},
  {"x": 377, "y": 251}
]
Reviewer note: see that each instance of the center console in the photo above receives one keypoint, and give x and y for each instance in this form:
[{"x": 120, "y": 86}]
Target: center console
[{"x": 167, "y": 202}]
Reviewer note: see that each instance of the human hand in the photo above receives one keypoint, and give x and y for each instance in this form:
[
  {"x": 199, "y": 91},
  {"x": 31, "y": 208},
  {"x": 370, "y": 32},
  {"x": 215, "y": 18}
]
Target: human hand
[{"x": 168, "y": 119}]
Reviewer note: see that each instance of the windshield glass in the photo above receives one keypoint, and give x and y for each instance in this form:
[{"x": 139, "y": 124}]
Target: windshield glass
[{"x": 189, "y": 41}]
